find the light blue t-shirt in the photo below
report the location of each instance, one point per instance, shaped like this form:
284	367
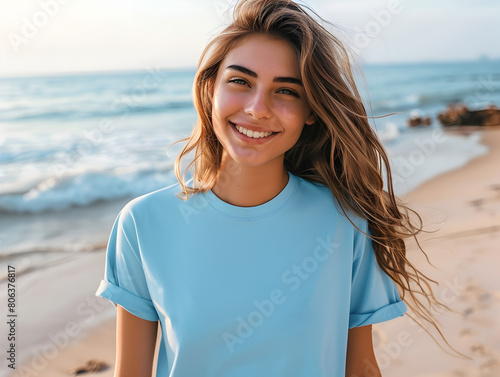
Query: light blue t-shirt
269	290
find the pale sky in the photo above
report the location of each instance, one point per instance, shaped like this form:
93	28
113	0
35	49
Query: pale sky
62	36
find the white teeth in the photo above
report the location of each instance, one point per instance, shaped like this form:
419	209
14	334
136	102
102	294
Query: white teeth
252	134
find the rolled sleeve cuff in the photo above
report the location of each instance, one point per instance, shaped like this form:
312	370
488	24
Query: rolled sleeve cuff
138	306
383	314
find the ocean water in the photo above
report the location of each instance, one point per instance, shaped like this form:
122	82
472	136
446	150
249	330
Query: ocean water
79	141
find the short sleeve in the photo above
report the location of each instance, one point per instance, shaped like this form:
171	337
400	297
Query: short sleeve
374	296
124	280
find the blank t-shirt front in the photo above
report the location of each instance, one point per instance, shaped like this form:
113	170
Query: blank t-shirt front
269	290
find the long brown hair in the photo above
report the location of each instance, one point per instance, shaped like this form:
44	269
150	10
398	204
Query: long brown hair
340	150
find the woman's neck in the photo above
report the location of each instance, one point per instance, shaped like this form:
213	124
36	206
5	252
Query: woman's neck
249	186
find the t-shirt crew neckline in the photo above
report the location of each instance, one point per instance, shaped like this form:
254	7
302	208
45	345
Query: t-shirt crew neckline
252	213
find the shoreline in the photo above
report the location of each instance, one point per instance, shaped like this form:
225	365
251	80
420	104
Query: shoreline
459	197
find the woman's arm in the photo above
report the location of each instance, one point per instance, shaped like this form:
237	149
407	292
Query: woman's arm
361	361
135	345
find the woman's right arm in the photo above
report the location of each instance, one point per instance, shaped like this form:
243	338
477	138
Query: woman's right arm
135	345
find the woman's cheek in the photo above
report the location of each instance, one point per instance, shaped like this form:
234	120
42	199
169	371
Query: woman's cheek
224	102
287	110
290	114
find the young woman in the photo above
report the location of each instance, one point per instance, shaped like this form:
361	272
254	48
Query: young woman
286	248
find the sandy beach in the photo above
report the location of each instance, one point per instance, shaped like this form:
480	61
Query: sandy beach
462	209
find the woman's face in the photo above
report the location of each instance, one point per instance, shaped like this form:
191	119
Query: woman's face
259	105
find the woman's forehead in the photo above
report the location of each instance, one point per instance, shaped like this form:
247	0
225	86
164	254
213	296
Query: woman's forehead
263	55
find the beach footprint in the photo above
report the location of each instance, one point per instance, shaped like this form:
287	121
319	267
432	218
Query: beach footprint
490	203
490	368
477	300
92	366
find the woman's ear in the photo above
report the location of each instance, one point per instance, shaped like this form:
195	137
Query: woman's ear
311	119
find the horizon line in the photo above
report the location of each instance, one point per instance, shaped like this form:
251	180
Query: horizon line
193	68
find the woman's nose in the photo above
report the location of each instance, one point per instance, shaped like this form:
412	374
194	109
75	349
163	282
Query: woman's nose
258	105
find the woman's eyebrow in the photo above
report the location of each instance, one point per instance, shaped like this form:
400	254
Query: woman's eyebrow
249	72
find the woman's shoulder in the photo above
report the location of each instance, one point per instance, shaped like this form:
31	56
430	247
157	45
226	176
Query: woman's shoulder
317	193
313	189
323	196
162	200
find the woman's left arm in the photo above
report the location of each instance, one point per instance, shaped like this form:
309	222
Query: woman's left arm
361	361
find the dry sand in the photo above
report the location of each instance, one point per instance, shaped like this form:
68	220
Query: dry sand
462	207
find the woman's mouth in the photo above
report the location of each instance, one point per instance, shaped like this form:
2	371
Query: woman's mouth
250	133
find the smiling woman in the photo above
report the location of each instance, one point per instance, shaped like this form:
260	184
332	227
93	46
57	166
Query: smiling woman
294	249
258	112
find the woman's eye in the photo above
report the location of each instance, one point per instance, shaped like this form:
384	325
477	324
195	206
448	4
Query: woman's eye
238	81
288	92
